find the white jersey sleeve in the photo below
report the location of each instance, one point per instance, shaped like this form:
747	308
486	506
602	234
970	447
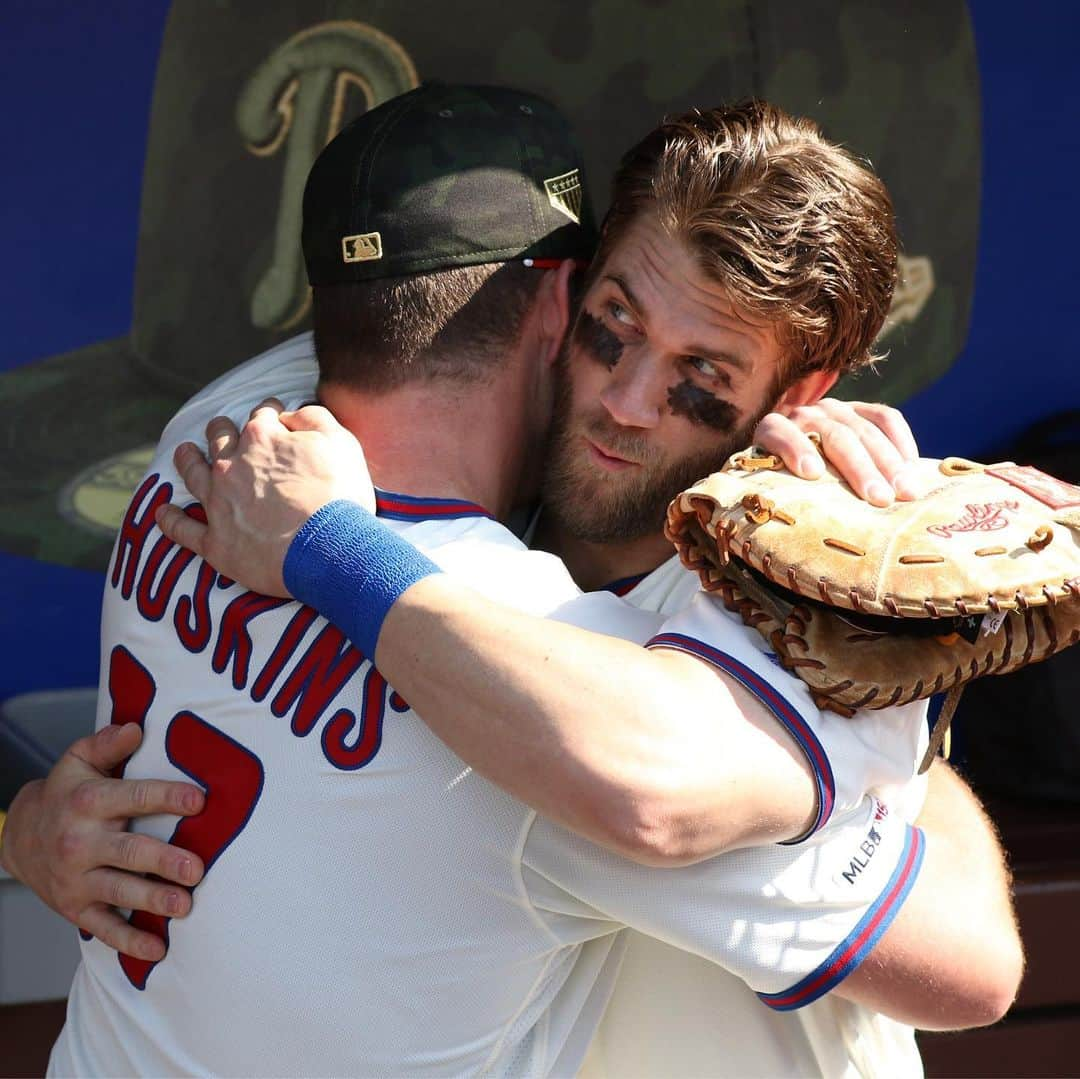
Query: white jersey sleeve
874	751
791	921
288	371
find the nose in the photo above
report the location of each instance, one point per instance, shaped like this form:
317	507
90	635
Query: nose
635	393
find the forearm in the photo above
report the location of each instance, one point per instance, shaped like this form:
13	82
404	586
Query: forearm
648	753
953	956
653	754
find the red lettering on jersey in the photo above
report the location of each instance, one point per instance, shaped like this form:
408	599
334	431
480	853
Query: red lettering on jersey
324	668
336	750
233	778
234	641
152	603
283	651
191	619
134	529
131	690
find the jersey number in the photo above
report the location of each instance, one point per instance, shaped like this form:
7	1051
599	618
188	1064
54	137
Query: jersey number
231	775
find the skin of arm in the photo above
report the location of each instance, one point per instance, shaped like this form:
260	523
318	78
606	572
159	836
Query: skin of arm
653	775
953	957
661	758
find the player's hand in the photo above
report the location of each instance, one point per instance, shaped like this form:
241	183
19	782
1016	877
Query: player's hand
261	485
869	445
66	839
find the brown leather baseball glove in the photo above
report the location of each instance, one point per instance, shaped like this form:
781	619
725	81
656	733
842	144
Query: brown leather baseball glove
873	607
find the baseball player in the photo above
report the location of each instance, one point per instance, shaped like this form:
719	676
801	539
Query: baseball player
266	650
704	630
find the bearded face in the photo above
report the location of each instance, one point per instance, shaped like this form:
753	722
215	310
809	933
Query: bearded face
601	504
660	380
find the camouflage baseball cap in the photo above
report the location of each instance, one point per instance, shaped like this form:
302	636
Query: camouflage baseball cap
446	176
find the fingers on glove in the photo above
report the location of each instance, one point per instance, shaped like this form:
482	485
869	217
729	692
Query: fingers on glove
889	441
779	435
864	457
870	445
892	424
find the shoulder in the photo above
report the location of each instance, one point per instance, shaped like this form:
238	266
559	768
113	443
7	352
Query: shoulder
493	561
669	588
288	371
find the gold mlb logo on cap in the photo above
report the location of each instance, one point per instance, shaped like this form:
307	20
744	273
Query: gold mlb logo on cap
361	248
564	193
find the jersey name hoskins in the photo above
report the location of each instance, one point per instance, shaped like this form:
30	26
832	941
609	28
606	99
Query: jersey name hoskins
301	683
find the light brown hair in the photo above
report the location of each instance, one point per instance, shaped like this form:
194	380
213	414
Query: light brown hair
799	231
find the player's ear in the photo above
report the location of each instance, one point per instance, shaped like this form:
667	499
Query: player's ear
553	300
807	390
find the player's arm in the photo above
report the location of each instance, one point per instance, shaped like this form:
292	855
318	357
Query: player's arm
656	755
953	957
861	909
65	838
612	741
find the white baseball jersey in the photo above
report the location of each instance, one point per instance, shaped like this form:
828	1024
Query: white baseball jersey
712	1024
371	906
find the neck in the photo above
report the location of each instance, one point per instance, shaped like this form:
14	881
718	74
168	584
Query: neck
593	565
437	439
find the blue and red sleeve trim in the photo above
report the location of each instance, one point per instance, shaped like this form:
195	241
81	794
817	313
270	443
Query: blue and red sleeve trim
780	707
397	507
859	943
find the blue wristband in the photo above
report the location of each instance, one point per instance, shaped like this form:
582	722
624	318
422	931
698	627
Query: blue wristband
352	569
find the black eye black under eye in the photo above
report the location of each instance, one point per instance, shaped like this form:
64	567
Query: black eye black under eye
597	340
702	406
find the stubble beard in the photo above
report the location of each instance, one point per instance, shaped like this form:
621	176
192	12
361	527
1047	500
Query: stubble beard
607	507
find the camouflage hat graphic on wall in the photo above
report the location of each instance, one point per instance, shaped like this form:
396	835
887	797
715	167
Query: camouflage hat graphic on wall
249	91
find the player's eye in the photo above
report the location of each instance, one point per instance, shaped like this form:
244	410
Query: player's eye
706	367
620	314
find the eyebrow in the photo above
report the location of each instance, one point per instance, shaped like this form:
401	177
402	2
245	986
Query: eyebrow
703	353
